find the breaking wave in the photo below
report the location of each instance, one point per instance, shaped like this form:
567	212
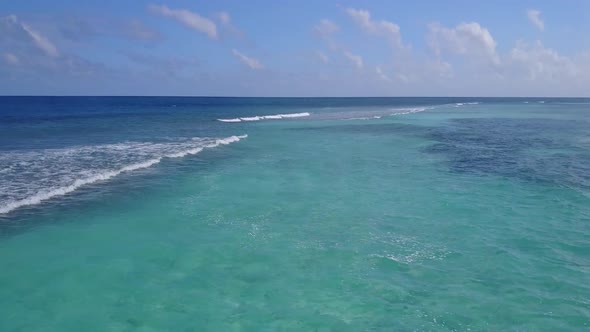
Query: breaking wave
463	104
267	117
30	178
410	110
371	114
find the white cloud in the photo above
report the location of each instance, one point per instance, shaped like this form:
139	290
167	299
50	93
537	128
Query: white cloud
403	78
382	75
188	18
41	42
10	59
582	61
440	68
227	28
24	32
465	39
323	58
535	18
541	63
248	61
224	18
326	28
362	18
356	60
385	28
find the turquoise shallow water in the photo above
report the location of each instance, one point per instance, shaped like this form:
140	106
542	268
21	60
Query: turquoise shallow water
366	215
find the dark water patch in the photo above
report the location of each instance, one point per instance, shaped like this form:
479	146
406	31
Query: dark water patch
530	149
539	150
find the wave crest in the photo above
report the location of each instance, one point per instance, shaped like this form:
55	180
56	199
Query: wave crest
56	184
469	103
267	117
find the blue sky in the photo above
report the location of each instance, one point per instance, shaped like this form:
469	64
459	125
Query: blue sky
295	48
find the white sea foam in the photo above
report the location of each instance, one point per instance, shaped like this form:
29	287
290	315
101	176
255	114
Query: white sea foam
406	250
469	103
273	117
363	118
267	117
409	110
184	153
253	118
353	119
373	114
41	175
226	141
47	194
294	115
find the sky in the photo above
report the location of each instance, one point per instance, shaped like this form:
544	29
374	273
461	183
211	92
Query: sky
295	48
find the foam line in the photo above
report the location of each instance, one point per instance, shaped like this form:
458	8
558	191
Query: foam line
102	176
267	117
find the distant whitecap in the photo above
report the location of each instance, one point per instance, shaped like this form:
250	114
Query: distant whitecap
267	117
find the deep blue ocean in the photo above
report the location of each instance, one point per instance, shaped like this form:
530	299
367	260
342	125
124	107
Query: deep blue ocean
294	214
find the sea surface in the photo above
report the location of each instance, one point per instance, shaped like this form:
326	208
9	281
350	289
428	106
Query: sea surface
294	214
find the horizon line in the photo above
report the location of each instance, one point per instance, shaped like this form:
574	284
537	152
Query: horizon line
300	97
